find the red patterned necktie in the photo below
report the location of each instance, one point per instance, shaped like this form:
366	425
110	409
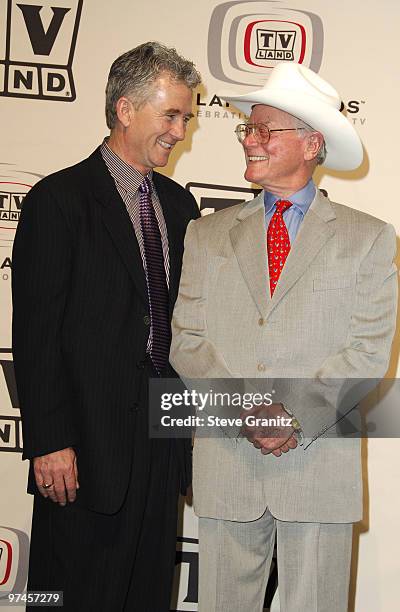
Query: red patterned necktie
278	243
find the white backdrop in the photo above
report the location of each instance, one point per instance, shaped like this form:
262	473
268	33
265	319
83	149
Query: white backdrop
52	100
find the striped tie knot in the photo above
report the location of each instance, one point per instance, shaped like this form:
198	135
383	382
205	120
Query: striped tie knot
145	186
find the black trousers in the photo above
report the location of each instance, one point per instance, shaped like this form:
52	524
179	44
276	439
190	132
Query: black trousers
113	563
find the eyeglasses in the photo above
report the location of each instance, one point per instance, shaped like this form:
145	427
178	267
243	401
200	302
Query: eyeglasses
260	131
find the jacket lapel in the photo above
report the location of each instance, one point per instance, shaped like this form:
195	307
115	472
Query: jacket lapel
249	245
248	239
118	223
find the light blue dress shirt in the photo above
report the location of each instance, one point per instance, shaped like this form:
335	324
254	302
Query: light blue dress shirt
293	216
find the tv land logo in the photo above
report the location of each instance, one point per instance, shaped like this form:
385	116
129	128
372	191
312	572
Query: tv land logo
212	198
10	418
247	39
37	47
14	185
12	194
14	554
272	44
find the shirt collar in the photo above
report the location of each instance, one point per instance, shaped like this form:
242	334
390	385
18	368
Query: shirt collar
125	175
301	199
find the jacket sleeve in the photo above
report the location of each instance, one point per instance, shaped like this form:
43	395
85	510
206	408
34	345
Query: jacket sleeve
193	355
42	266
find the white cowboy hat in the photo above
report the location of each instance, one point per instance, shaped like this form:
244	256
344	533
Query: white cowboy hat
301	92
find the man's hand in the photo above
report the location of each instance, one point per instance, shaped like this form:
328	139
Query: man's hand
276	438
60	471
287	446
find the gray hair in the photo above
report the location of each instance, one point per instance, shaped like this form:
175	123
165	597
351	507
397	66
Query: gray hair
321	155
135	72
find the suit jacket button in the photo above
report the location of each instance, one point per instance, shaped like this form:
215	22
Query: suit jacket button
141	365
134	407
146	320
261	367
261	321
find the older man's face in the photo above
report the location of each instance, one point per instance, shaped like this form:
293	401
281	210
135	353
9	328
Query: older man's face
278	166
159	124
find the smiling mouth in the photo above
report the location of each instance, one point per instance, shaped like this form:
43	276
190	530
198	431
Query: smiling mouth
254	158
165	145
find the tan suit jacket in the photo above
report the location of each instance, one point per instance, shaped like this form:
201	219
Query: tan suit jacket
332	318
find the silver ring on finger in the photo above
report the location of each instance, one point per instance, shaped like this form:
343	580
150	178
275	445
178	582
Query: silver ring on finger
47	486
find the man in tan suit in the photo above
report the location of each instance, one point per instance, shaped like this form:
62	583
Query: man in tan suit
299	290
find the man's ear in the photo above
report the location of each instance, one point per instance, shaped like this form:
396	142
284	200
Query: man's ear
314	142
124	110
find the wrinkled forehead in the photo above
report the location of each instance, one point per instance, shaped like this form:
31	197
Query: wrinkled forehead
261	113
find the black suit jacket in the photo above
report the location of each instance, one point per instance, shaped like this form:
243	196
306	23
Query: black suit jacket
81	322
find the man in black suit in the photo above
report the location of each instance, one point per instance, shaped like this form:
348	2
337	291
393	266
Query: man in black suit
96	267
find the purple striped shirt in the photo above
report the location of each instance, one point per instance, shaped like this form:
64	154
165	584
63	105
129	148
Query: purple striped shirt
127	181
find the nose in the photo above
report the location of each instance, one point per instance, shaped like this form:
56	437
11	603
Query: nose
250	140
178	129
